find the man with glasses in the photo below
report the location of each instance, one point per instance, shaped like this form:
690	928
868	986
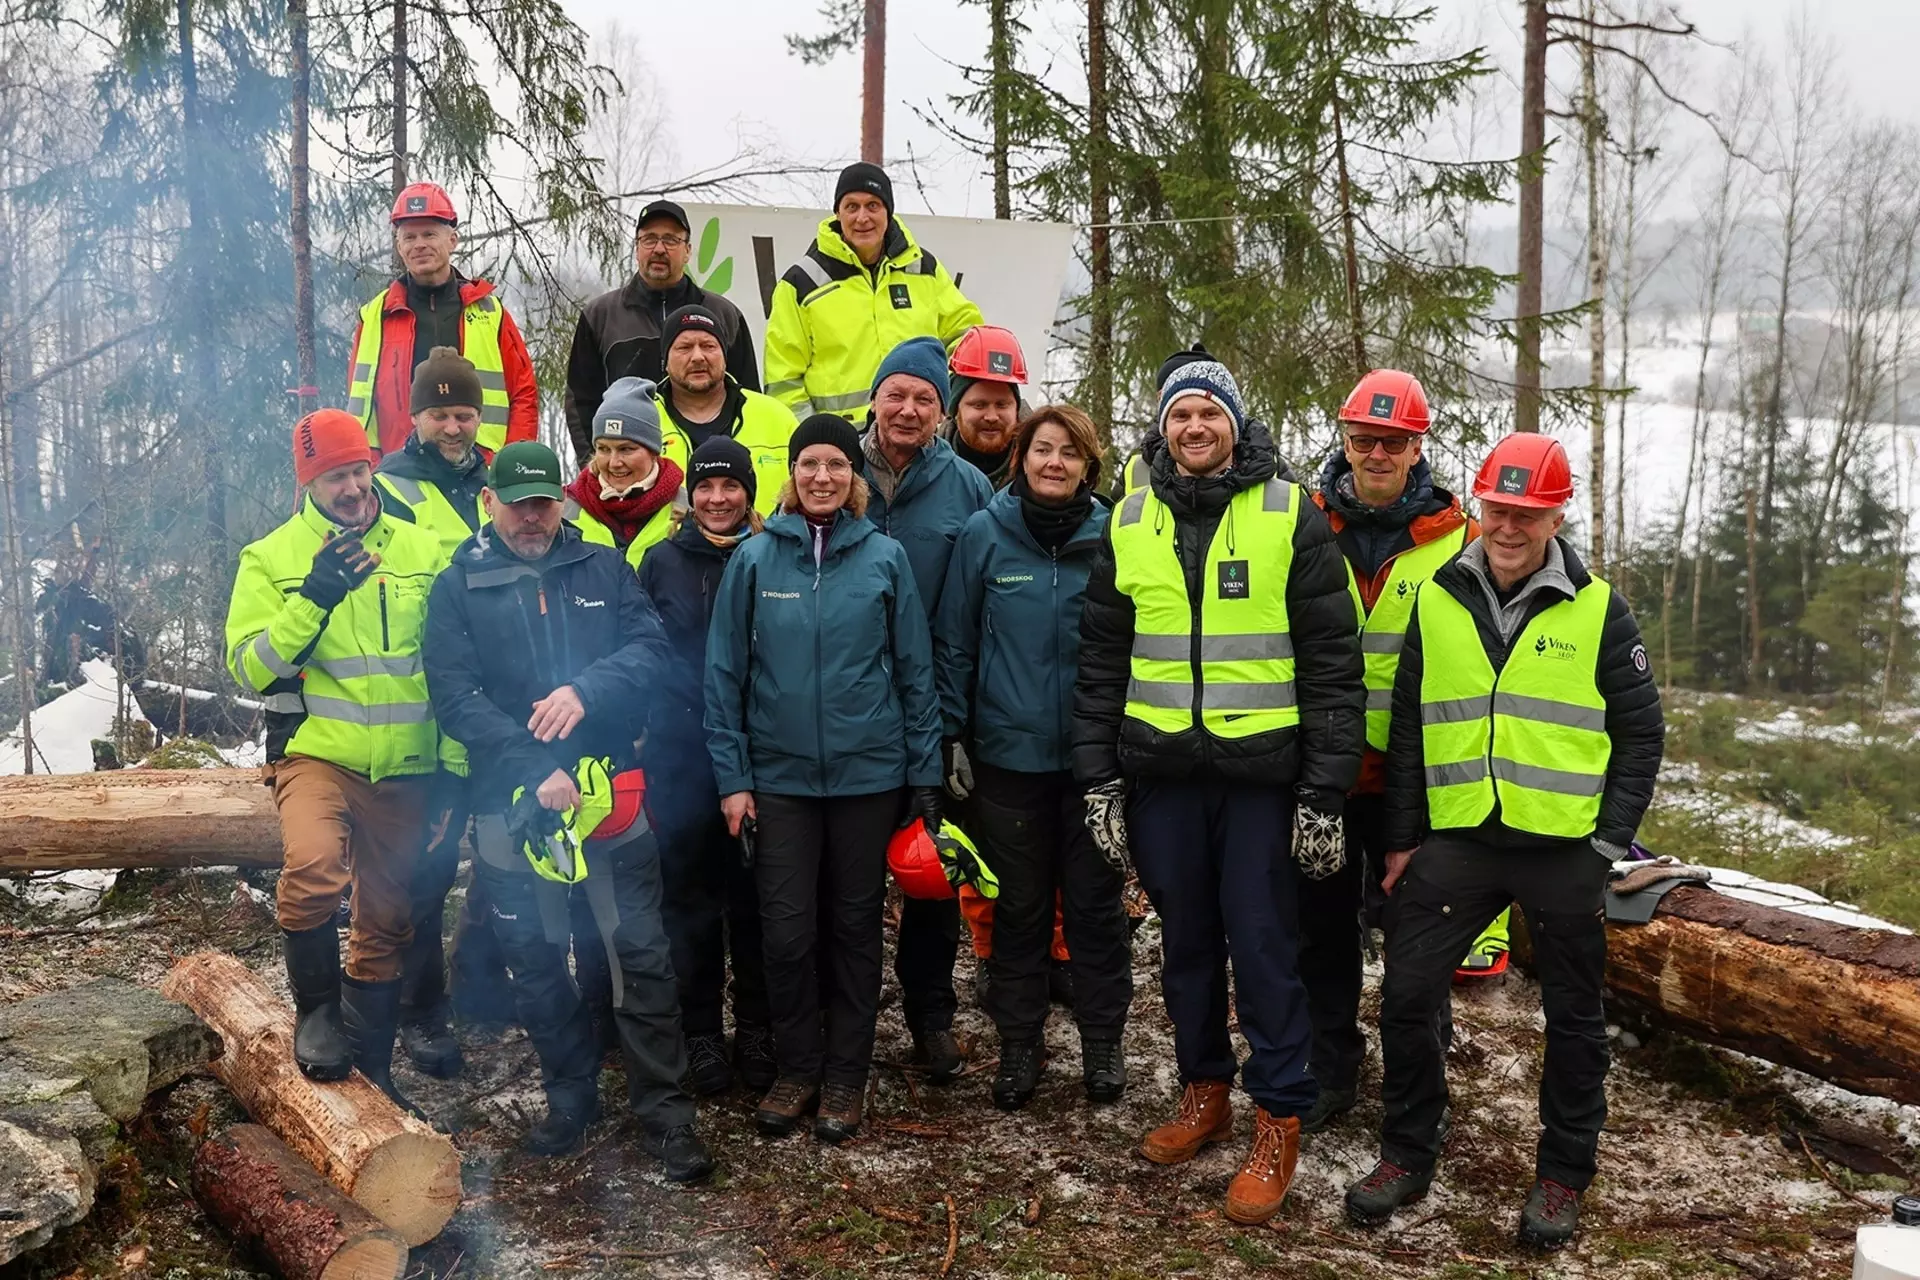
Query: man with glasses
1395	527
621	332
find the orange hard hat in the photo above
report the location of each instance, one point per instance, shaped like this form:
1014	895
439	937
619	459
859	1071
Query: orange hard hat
1388	398
1526	469
915	862
424	200
629	801
988	353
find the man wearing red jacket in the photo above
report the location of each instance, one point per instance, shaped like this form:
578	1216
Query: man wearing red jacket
1395	527
432	305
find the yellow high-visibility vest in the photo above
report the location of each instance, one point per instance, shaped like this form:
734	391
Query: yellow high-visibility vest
1385	633
657	529
766	426
479	343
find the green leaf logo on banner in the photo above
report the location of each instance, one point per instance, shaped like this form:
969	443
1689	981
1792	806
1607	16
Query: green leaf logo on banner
721	277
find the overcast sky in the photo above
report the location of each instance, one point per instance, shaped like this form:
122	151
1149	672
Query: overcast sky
723	72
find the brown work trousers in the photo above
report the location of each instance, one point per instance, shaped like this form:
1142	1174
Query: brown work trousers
336	827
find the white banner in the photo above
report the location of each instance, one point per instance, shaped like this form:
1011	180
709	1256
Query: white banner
1013	271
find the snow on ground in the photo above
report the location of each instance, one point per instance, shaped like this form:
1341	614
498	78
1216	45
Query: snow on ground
1746	823
64	729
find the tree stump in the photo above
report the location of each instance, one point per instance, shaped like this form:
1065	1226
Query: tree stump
271	1200
399	1169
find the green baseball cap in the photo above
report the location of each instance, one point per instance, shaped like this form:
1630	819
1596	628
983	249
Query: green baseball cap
525	469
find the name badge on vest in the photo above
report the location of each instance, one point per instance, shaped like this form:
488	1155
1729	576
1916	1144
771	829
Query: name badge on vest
902	300
1233	584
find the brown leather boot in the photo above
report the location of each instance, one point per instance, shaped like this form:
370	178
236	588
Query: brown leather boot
1260	1188
1206	1115
840	1108
785	1103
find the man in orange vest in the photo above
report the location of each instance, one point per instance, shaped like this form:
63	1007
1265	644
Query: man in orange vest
432	305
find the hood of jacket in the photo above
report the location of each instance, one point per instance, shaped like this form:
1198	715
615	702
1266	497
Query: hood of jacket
1005	513
418	460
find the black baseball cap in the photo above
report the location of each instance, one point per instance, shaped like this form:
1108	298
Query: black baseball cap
662	209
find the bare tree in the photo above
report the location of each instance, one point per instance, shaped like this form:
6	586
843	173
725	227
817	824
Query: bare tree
1532	233
1593	136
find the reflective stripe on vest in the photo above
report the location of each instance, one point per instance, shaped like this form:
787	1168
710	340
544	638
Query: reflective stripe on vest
1386	626
1236	676
657	529
1534	737
1135	474
766	425
479	342
432	510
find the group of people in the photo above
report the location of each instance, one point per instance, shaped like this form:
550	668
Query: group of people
690	703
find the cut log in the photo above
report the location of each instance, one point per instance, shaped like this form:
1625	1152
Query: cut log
138	818
399	1169
1837	1002
272	1201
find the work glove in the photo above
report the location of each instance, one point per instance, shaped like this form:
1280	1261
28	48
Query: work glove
957	768
1319	835
1107	821
923	802
529	820
340	565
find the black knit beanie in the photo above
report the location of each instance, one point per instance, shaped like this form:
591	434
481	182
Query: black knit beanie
870	178
827	428
722	456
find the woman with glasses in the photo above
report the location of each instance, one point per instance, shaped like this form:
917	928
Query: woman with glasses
820	714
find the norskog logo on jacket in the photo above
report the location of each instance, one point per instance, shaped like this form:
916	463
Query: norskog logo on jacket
779	595
1006	578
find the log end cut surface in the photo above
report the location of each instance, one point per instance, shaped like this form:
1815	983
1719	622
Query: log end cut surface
368	1260
412	1183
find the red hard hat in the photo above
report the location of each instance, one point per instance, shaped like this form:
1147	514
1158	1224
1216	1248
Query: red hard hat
424	200
1526	469
988	353
629	800
1388	398
915	862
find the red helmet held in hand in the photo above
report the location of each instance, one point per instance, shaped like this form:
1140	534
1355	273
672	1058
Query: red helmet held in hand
1388	398
988	353
1526	469
424	200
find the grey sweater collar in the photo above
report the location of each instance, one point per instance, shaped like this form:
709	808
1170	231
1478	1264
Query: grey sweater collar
1551	576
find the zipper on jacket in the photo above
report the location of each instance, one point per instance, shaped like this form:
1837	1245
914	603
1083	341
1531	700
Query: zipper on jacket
386	642
819	684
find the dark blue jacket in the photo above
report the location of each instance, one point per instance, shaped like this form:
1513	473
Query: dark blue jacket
820	678
1007	637
503	634
936	498
681	576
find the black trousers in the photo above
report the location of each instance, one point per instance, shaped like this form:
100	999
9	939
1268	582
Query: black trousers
1216	860
530	917
1333	921
479	972
1031	830
821	871
712	910
923	959
1452	890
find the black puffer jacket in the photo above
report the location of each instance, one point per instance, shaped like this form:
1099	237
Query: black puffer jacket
1323	754
1625	677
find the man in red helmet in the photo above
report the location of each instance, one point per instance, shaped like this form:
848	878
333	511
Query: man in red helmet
430	304
984	377
1396	527
1525	737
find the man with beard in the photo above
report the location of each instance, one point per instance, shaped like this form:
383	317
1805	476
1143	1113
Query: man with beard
985	374
701	401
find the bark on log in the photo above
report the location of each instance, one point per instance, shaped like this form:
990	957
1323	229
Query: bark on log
271	1200
1836	1002
138	818
399	1169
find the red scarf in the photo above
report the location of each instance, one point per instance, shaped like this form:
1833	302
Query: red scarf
627	516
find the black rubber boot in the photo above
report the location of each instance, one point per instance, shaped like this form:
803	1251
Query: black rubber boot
1103	1070
1021	1062
313	971
370	1015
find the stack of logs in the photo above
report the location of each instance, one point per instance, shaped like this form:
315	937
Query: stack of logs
339	1182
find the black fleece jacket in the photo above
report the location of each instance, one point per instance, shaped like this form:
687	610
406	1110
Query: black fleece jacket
1625	678
1322	756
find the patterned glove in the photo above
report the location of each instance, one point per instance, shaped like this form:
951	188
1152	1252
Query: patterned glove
1319	838
959	770
1107	820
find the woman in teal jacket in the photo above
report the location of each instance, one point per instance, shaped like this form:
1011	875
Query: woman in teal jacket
1007	650
824	729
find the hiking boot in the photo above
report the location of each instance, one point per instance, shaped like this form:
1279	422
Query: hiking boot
1206	1115
788	1100
1021	1062
320	1044
1551	1215
708	1070
1328	1107
940	1052
753	1056
562	1129
682	1156
1103	1070
1260	1188
1060	983
429	1043
839	1117
1372	1200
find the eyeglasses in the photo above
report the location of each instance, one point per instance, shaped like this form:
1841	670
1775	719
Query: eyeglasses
662	242
1364	445
837	468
